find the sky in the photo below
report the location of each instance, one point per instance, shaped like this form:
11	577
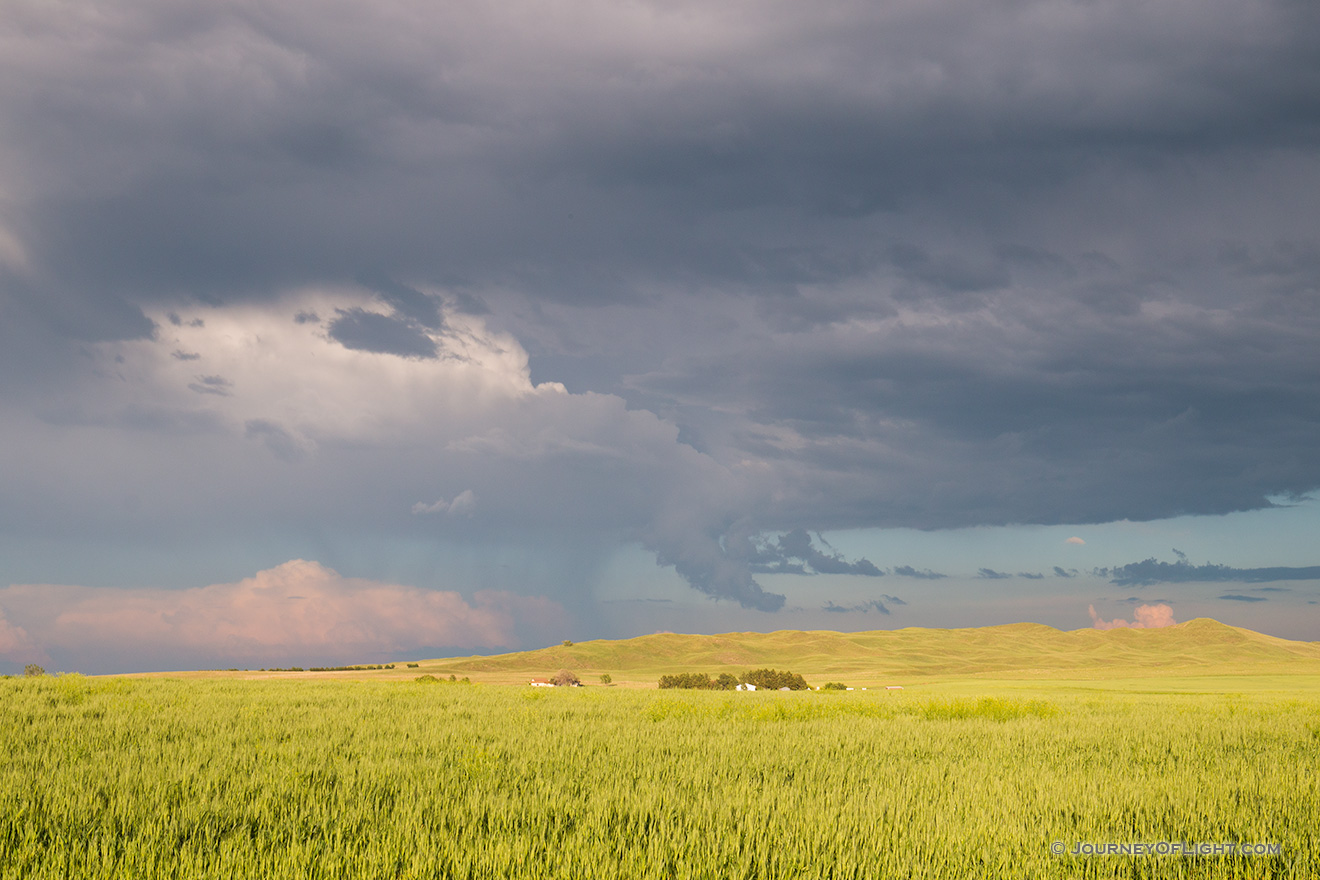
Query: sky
341	332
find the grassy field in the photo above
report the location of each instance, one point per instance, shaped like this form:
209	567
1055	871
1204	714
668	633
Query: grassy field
960	778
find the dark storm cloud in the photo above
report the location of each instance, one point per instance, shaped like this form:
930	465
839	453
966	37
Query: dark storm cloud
709	571
1235	598
777	558
923	265
368	331
407	302
1150	571
382	137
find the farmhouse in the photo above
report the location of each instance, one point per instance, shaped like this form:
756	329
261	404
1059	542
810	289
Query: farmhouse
542	683
746	687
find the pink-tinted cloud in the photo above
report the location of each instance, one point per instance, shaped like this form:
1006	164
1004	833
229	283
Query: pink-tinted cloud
1074	540
298	611
14	642
1144	617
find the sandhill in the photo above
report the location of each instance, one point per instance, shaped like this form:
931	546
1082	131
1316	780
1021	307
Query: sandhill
1197	647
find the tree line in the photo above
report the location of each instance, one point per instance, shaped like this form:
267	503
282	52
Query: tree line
767	679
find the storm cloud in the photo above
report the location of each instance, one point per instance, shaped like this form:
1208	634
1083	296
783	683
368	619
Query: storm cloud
707	279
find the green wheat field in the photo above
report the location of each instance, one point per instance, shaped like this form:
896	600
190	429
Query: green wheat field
976	772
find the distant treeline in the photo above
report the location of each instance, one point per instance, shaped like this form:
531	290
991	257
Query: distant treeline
767	679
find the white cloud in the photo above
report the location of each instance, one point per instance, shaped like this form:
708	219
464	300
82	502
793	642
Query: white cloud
275	371
1074	540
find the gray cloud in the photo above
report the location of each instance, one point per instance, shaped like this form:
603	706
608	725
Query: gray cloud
864	607
777	558
406	301
991	574
217	385
1236	598
368	331
909	571
1150	571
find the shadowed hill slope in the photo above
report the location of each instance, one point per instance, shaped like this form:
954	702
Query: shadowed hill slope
1200	646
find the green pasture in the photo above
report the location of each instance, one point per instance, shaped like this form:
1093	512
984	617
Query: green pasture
954	778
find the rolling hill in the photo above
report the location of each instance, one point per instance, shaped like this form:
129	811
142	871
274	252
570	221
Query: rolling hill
1022	650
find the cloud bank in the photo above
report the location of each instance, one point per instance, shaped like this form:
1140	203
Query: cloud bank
298	612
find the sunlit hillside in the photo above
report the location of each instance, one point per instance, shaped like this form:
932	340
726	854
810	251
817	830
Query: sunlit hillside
1197	647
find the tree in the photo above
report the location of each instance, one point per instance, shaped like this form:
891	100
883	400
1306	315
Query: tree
688	680
564	678
606	679
33	669
773	680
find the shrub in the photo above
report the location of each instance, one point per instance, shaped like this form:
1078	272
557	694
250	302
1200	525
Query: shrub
568	643
412	665
770	679
33	669
606	679
564	678
426	678
834	686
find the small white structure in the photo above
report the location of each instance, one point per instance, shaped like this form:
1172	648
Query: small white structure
542	683
745	687
893	687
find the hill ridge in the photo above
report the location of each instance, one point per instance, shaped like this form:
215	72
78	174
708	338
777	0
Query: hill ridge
1027	649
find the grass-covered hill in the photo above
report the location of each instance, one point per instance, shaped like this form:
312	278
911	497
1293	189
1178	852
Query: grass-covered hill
1030	650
